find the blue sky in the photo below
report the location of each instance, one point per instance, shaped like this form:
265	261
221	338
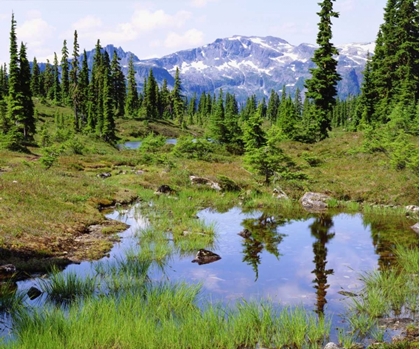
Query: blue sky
160	27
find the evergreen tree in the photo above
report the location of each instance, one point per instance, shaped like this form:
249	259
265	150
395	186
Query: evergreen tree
273	106
217	128
132	100
14	108
36	79
164	101
177	99
118	86
298	102
321	87
395	63
287	119
233	130
192	109
83	82
65	82
27	118
48	81
254	136
250	108
108	125
74	83
150	99
95	91
56	81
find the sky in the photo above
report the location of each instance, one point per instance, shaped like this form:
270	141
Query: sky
160	27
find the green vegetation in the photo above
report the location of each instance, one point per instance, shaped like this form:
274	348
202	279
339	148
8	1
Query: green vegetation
166	316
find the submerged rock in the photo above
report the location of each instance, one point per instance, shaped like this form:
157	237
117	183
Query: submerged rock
205	256
33	293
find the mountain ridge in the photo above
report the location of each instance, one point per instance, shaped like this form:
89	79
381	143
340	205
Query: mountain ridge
246	65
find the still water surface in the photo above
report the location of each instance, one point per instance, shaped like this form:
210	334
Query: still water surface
304	262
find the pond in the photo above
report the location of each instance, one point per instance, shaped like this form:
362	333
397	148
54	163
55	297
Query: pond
137	144
309	262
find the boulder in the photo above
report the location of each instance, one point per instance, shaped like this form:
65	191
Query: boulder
315	201
415	227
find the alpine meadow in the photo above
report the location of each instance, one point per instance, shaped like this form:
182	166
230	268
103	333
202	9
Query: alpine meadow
91	141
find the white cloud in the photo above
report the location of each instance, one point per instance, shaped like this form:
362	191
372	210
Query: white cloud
87	23
201	3
146	20
192	37
35	31
143	21
345	6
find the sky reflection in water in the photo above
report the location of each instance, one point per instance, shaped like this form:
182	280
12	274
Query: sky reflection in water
288	279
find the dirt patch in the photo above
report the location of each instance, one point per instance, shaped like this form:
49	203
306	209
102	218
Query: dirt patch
39	254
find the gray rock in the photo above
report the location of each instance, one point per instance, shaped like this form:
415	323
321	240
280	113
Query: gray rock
314	201
415	227
332	345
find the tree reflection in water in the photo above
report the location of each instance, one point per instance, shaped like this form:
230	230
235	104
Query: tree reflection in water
259	234
319	230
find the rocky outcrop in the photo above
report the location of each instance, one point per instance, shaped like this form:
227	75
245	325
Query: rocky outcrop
315	201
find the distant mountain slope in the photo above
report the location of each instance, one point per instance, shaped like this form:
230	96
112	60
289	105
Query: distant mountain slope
247	65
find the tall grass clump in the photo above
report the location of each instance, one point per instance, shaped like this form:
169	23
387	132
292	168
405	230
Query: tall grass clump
63	287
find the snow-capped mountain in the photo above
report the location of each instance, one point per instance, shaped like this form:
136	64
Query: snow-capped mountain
248	65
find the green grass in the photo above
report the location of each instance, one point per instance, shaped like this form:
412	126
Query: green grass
166	316
67	287
386	293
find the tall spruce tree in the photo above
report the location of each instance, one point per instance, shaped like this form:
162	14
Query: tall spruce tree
35	79
83	82
178	99
108	125
74	82
27	118
14	107
65	82
132	100
321	87
56	85
118	86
